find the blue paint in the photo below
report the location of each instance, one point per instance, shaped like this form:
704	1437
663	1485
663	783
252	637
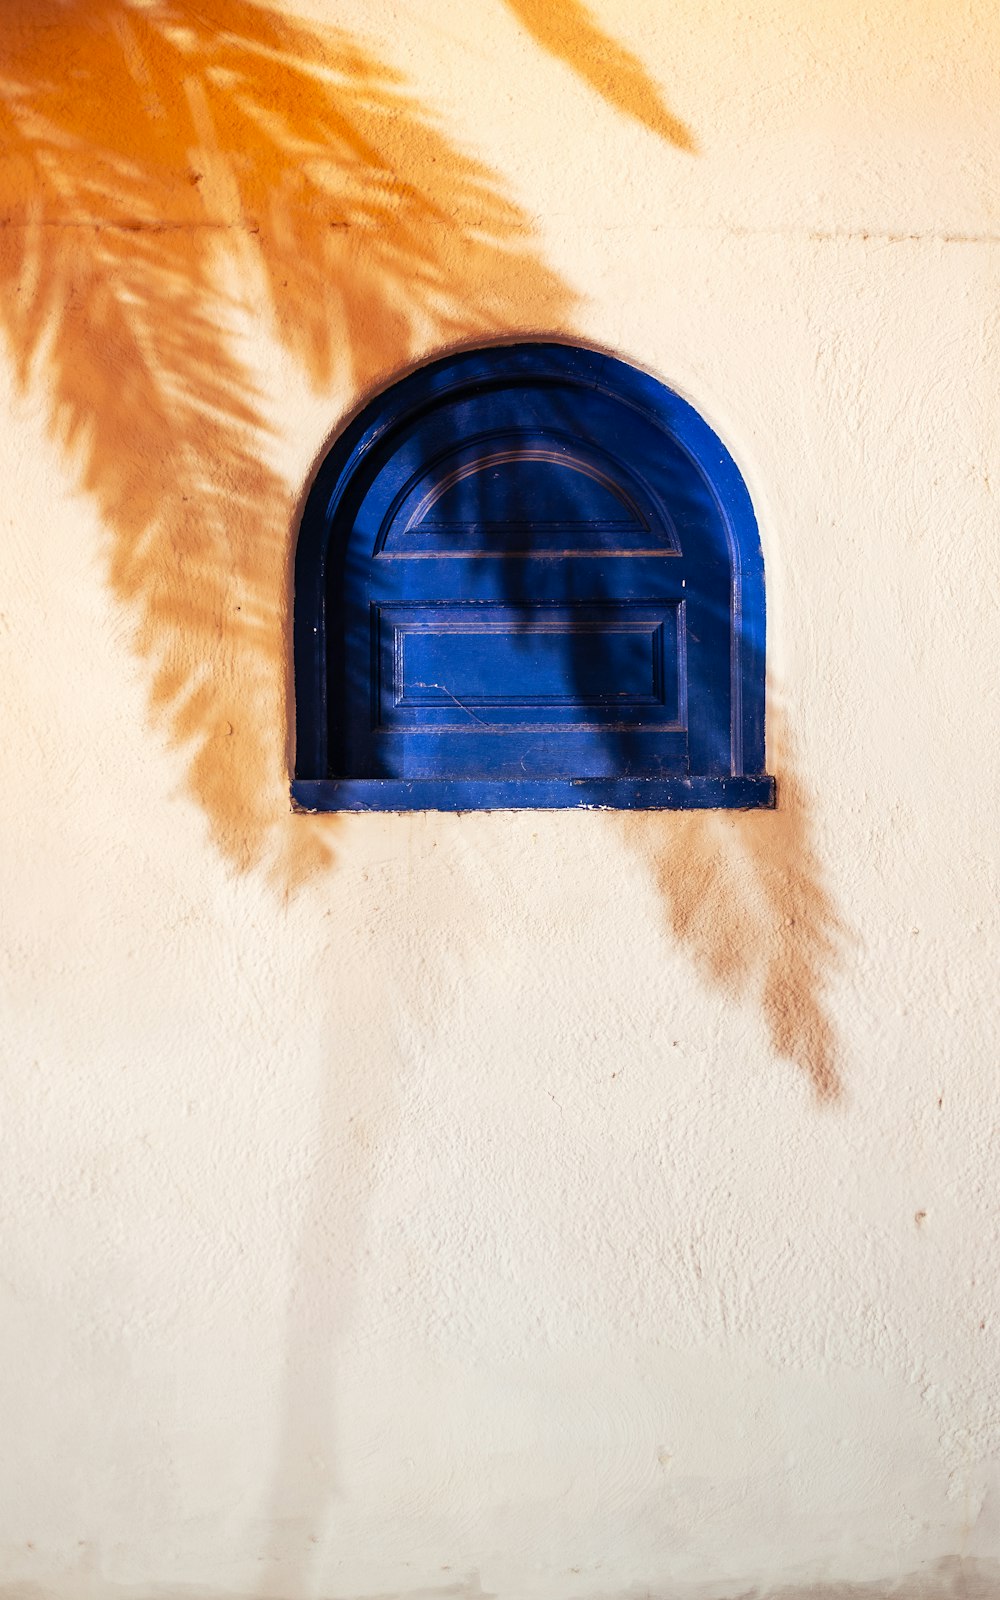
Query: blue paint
529	576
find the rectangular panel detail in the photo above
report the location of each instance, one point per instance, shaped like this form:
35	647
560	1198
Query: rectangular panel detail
477	665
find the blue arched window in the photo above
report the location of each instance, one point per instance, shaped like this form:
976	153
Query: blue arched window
529	576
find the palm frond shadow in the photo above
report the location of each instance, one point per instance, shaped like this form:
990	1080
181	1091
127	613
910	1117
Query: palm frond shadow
569	32
154	153
744	893
186	142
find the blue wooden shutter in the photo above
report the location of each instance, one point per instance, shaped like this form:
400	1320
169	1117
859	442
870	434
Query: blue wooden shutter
529	576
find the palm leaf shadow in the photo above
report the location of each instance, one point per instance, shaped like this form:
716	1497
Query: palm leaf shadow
186	141
153	153
568	31
744	893
187	147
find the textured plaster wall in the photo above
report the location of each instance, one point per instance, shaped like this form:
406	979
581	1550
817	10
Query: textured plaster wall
569	1206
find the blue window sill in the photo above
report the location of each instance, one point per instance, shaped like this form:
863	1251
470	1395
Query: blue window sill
532	794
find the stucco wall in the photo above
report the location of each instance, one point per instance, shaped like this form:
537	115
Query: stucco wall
558	1205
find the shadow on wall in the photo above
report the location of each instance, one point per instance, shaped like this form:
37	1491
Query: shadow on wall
172	170
743	893
566	29
155	154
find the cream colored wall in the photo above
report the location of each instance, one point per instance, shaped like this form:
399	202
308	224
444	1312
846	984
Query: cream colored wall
557	1205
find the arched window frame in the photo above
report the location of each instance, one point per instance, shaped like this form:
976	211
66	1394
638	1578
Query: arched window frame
316	788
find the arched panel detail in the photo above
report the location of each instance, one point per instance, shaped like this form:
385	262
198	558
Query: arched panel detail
529	576
525	492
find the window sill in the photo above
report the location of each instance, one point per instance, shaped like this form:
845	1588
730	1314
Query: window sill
532	794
